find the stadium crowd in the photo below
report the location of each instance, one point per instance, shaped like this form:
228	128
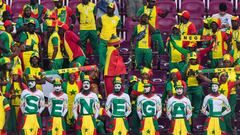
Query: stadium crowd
58	79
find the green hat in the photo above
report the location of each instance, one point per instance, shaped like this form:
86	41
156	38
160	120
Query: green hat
117	80
133	78
4	60
35	54
86	78
178	84
215	81
57	81
193	55
31	78
146	83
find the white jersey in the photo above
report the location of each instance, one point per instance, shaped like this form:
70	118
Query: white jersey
32	102
119	105
86	105
57	105
179	108
149	106
213	105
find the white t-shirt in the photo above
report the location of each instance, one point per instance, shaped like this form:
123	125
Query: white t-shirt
226	19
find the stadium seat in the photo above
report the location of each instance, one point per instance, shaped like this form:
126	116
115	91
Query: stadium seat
48	4
17	6
196	7
168	5
73	5
166	24
214	6
129	24
198	21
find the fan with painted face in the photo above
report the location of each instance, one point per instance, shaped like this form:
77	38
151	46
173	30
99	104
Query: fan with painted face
117	83
147	86
179	88
86	83
57	85
215	85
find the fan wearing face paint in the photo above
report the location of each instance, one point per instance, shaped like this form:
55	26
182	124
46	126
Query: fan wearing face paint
179	111
227	87
149	109
118	108
32	105
86	109
57	107
215	106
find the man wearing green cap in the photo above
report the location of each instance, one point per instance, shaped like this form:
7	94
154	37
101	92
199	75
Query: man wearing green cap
24	18
6	66
85	14
107	25
32	104
205	31
57	107
118	107
215	106
149	109
153	13
35	69
29	41
179	111
194	89
86	109
177	59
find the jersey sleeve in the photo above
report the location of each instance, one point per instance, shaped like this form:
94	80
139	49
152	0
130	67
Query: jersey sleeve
75	106
65	105
129	110
169	108
226	105
96	105
139	107
42	102
188	108
159	106
50	103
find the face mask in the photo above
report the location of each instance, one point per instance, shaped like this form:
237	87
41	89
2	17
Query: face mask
58	88
31	84
117	87
147	89
179	91
215	87
86	85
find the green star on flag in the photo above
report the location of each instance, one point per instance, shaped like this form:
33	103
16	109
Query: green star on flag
73	92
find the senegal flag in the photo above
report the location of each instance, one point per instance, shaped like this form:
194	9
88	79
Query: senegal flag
114	63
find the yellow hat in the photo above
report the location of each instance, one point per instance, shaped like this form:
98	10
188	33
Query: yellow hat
57	81
31	21
215	81
146	70
228	57
111	5
117	80
217	21
26	6
86	78
146	83
4	60
178	84
133	79
35	54
175	70
193	55
31	78
235	18
176	26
